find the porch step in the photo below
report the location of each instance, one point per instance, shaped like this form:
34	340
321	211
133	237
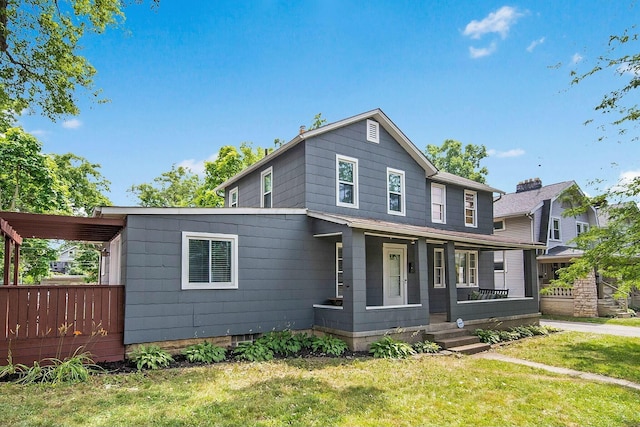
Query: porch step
442	334
457	342
471	348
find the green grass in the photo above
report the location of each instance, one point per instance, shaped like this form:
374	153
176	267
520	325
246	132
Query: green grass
431	390
631	321
614	356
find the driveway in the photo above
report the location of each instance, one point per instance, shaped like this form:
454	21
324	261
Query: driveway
598	328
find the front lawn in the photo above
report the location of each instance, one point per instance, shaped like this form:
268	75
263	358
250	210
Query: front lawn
426	390
609	355
630	321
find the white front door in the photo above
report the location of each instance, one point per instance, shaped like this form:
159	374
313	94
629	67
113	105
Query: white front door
394	270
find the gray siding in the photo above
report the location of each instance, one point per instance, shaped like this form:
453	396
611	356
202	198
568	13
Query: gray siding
283	271
455	210
373	160
288	182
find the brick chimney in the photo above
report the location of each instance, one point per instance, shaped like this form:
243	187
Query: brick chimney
528	185
303	129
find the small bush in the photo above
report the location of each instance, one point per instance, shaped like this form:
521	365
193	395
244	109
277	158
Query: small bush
73	369
426	347
487	336
493	337
283	343
253	352
151	357
389	348
204	352
306	341
330	345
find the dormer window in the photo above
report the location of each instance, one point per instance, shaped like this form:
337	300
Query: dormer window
266	184
373	131
233	198
554	230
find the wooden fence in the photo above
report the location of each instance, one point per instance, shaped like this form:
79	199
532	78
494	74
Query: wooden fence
54	321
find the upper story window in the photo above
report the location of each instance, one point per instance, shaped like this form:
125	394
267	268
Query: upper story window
346	181
466	268
438	268
209	261
499	225
581	227
266	185
339	280
554	229
373	131
438	203
395	192
233	198
470	209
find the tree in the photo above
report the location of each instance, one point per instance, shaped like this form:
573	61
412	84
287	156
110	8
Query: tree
450	157
177	188
40	64
81	183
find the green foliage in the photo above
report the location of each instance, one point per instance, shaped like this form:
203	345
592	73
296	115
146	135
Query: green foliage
426	347
330	345
283	343
253	352
86	261
490	336
487	336
318	121
204	352
390	348
176	188
150	357
451	158
306	341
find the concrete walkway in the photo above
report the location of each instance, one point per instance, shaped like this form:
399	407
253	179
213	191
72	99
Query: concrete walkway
555	369
598	328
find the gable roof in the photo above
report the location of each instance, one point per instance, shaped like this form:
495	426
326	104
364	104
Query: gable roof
379	116
526	202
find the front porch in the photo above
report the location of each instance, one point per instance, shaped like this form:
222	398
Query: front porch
407	284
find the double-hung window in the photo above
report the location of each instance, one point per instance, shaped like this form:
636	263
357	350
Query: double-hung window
438	268
395	192
339	280
209	261
554	229
347	181
466	269
438	203
581	227
233	198
470	209
266	186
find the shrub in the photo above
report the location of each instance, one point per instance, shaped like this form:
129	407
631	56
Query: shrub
390	348
330	345
487	336
204	352
76	368
426	347
306	341
151	357
253	352
283	343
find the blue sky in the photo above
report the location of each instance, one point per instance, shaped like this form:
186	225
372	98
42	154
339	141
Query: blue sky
192	76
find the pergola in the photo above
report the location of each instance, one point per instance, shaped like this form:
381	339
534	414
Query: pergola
16	226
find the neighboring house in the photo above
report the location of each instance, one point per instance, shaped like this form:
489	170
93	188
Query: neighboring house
63	263
536	212
346	229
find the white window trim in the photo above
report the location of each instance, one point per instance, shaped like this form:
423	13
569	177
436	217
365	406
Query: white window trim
356	198
233	192
551	229
468	272
338	271
444	279
375	135
584	225
233	238
402	211
504	262
475	208
444	203
264	173
501	221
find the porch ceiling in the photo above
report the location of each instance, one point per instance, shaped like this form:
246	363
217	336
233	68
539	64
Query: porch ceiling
489	241
41	226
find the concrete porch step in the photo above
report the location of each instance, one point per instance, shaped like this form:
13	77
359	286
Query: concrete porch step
471	348
445	333
456	342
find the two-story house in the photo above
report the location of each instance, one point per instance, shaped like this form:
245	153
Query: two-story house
537	212
346	229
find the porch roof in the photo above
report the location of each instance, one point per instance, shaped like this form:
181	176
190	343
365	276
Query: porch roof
29	225
488	241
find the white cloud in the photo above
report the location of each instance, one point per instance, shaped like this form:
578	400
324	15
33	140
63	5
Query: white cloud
483	51
71	124
197	166
38	132
499	22
516	152
627	68
628	176
534	44
576	58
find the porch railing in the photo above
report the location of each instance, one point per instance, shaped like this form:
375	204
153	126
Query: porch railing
556	292
54	321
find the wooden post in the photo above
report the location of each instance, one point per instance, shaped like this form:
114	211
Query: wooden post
16	263
7	260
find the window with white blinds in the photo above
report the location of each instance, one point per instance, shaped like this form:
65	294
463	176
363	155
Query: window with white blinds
209	261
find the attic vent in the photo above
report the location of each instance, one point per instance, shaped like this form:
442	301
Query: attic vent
373	131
